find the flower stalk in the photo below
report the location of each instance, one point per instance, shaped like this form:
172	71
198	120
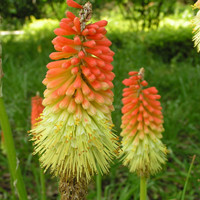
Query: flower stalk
143	188
71	189
99	184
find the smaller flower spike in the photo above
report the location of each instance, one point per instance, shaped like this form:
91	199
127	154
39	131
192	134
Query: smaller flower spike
142	125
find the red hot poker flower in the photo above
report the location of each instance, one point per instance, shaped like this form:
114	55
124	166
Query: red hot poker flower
142	125
74	135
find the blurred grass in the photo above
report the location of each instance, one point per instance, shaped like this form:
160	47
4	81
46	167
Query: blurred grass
176	75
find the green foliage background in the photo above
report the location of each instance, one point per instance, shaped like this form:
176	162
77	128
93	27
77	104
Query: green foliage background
150	10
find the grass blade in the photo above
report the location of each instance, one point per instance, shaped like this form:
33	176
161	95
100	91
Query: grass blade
187	179
11	153
16	177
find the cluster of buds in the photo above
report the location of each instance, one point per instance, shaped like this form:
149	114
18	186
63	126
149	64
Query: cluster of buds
142	125
75	132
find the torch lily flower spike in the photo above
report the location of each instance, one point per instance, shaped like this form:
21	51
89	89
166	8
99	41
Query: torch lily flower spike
75	131
142	125
196	25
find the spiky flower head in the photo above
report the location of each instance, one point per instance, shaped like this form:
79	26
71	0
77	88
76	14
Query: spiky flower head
74	134
142	125
196	25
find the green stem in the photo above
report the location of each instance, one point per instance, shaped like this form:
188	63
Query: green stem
42	181
143	188
99	183
11	153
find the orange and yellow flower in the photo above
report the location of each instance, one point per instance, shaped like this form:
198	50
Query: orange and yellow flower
142	125
75	131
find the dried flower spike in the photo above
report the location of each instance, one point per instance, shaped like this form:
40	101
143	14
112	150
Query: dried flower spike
75	131
142	125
